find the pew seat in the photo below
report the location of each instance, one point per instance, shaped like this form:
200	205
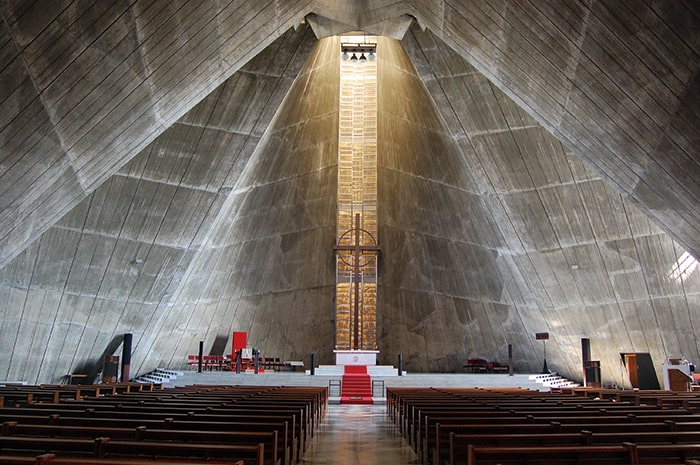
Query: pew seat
51	459
552	455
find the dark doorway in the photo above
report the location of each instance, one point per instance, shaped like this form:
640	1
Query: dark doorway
640	370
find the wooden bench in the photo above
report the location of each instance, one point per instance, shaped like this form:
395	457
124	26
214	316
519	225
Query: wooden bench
274	453
420	413
18	397
643	397
304	420
128	461
413	416
52	459
102	446
286	444
555	455
421	434
29	395
462	432
250	454
458	444
658	454
140	413
39	445
26	459
212	415
428	439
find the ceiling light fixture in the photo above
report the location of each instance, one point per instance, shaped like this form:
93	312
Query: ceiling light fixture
358	52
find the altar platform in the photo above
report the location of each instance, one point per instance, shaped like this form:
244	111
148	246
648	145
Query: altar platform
482	380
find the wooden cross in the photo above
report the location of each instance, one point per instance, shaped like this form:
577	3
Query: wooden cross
357	251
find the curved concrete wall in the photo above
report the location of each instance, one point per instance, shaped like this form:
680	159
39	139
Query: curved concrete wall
143	188
442	297
577	259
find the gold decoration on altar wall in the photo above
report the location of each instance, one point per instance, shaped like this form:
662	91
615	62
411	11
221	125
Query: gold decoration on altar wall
356	263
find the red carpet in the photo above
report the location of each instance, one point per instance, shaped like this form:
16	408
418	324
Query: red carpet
357	386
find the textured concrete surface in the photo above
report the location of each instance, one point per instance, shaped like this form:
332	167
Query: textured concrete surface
166	169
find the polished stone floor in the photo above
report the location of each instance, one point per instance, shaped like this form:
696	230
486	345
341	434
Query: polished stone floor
358	434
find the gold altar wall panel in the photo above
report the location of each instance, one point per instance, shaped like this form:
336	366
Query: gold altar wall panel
357	195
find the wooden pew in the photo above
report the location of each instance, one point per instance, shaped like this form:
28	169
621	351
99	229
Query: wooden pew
560	455
644	397
26	459
101	447
51	459
462	432
303	421
657	454
39	445
286	448
13	428
135	461
458	444
298	417
296	432
29	394
250	454
124	413
274	453
15	396
419	412
498	406
427	438
420	432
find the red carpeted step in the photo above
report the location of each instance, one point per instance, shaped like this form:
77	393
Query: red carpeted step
355	369
357	400
357	385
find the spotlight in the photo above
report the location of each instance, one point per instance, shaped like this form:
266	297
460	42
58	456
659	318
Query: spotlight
358	52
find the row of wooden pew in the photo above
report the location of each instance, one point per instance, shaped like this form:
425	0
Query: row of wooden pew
242	425
17	394
661	398
519	426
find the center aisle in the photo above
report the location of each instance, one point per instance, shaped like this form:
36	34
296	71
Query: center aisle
358	434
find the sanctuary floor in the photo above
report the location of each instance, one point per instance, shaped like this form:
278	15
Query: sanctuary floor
358	434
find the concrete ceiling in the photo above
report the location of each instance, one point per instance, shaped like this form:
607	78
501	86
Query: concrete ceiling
167	169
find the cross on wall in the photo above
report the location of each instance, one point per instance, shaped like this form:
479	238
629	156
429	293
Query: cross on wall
358	251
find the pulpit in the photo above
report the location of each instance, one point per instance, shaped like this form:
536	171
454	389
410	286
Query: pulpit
677	376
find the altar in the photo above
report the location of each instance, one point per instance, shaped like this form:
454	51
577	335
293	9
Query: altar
356	357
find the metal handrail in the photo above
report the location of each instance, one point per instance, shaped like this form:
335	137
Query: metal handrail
335	383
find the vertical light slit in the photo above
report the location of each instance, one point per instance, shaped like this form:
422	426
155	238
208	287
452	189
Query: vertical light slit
357	194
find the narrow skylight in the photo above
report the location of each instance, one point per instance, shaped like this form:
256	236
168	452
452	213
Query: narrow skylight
683	267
